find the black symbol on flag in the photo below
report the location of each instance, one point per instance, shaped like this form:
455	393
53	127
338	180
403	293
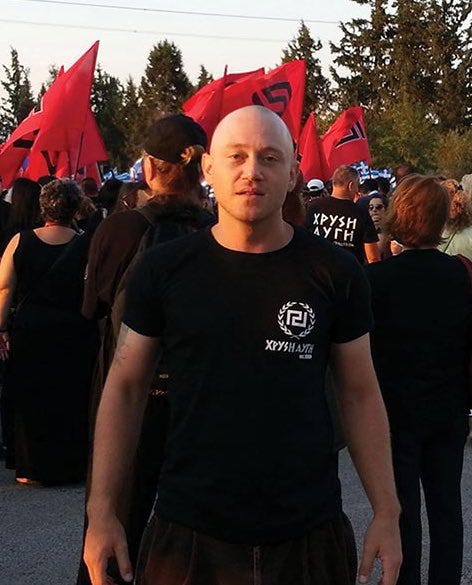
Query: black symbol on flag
50	164
276	97
25	142
356	133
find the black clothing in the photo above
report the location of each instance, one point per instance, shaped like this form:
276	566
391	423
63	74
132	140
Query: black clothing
342	222
5	209
421	345
421	342
115	244
176	554
52	353
250	456
435	457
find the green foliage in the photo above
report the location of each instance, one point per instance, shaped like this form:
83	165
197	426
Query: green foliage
204	77
317	86
53	71
130	115
165	84
19	98
409	65
453	153
402	133
106	102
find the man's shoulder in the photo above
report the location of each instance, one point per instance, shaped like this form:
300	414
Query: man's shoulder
174	251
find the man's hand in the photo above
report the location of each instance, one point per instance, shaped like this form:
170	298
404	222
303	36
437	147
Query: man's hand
382	541
105	539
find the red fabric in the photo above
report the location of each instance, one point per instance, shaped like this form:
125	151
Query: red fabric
313	164
205	106
63	120
281	90
15	150
346	142
66	163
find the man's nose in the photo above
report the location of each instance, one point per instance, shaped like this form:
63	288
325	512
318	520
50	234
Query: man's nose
252	168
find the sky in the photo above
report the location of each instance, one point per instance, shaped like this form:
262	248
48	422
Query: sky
35	28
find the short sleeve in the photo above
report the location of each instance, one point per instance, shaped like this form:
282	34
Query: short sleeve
370	234
143	307
353	311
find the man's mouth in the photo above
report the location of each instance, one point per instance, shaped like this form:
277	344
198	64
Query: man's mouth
250	192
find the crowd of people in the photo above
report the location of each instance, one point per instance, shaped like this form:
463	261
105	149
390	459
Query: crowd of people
218	341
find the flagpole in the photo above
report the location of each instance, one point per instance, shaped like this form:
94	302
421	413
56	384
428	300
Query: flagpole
78	153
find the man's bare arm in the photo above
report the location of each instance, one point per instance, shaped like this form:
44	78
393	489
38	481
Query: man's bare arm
116	436
366	428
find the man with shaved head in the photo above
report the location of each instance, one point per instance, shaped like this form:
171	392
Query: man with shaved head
249	313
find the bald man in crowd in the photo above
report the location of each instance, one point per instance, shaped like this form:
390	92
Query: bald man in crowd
249	313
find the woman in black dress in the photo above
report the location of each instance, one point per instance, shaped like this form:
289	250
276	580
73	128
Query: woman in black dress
422	302
51	347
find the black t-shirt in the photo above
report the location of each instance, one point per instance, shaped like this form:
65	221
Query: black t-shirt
422	303
250	454
342	222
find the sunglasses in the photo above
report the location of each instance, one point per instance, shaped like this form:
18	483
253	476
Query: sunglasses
378	207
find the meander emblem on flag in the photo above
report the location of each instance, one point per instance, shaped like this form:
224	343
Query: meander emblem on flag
296	319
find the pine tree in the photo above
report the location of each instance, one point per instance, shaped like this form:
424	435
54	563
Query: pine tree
451	61
204	77
165	84
365	51
53	71
130	122
409	64
317	86
19	99
106	101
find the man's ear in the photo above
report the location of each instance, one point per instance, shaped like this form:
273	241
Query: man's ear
293	174
207	166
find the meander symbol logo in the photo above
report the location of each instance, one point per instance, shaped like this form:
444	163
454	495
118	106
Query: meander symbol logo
296	319
276	97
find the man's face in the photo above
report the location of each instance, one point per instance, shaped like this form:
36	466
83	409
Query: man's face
251	165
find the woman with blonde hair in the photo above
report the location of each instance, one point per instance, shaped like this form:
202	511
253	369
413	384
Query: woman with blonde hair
421	345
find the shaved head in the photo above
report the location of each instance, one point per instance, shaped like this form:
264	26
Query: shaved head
255	117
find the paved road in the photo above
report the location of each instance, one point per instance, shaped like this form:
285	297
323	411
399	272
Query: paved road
40	528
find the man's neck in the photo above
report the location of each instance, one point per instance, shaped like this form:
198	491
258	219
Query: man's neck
255	238
341	195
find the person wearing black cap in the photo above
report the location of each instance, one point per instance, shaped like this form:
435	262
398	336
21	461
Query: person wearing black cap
248	313
172	151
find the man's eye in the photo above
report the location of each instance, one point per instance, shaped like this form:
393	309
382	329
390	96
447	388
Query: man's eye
236	156
270	158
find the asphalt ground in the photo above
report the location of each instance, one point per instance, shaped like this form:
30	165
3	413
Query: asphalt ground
41	528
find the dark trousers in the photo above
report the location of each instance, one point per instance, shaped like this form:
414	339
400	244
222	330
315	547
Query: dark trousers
176	555
433	457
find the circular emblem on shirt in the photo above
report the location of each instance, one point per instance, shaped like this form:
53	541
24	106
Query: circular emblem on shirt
296	319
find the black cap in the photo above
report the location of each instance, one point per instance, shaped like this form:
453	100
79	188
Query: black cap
169	136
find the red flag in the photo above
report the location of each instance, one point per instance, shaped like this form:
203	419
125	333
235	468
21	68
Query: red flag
281	90
87	151
346	142
313	163
206	104
15	150
63	121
